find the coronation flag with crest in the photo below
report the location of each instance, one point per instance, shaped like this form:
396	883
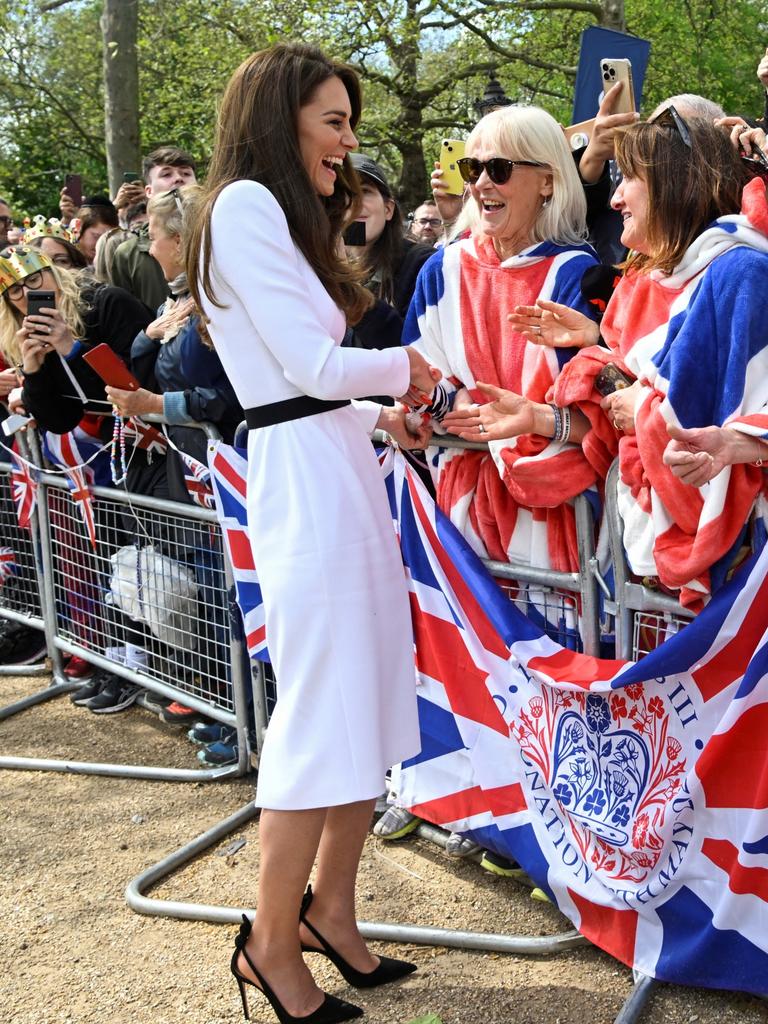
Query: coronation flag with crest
635	795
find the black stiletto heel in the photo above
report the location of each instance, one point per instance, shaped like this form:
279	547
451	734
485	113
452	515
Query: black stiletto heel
330	1011
388	969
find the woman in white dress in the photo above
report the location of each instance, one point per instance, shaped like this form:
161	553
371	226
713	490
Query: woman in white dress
267	272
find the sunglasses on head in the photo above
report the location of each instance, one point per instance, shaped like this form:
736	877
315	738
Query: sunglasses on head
669	118
498	169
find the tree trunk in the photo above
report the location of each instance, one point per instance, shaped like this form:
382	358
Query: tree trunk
119	28
613	15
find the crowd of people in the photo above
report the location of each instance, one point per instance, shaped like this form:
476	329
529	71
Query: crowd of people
570	308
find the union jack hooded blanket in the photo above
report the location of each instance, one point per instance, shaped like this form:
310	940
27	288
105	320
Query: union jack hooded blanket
697	341
511	504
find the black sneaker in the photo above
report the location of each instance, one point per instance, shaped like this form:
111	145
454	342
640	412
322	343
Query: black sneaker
22	645
116	695
88	690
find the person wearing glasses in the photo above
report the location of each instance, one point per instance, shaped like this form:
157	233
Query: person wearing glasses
686	328
520	238
425	224
266	269
526	223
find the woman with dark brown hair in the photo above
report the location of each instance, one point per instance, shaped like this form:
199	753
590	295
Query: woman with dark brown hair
266	269
685	328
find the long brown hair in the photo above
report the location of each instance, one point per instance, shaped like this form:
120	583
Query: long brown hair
257	139
688	187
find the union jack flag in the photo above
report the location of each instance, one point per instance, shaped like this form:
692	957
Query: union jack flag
143	435
23	488
7	564
635	795
72	451
228	474
197	479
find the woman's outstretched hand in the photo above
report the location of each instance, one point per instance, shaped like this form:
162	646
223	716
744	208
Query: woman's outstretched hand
505	415
555	325
423	379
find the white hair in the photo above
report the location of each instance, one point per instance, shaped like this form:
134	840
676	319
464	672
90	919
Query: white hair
689	104
530	133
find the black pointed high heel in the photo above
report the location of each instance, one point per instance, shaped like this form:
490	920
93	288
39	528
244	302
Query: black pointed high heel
330	1011
388	969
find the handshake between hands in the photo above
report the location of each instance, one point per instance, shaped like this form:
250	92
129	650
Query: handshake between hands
411	430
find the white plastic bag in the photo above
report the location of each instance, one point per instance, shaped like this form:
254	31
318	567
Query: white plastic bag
157	591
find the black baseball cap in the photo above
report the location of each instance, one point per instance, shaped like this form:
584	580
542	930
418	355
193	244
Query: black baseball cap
368	168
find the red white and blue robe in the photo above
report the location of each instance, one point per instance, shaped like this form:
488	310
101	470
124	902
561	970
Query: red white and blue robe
697	340
513	502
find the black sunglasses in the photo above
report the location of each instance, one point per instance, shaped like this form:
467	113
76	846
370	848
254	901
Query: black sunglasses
498	169
669	118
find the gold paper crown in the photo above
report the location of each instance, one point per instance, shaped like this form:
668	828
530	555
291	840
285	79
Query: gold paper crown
42	228
19	262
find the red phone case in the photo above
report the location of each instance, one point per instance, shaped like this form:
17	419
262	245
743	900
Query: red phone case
111	368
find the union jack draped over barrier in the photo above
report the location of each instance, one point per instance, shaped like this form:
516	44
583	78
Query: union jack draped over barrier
635	795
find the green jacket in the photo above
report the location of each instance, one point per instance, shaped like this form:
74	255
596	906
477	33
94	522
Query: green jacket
139	273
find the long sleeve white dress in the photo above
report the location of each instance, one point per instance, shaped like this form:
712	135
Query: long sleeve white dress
337	615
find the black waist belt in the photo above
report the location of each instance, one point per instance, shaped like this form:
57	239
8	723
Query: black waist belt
290	409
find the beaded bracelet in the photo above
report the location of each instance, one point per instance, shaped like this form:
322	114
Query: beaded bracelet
118	443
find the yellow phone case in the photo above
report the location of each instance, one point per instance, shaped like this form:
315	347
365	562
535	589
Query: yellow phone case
451	151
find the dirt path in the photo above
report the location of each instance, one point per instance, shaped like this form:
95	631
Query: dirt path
71	951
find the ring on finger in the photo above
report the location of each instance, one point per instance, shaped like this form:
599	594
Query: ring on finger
616	425
481	428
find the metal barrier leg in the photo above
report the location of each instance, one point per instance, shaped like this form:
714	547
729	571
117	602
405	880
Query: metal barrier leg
636	1000
522	945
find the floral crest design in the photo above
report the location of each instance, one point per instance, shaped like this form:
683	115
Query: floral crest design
613	769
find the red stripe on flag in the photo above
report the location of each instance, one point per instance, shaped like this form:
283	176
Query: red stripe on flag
572	667
230	474
742	880
258	636
455	806
441	654
610	929
731	662
479	621
733	767
240	550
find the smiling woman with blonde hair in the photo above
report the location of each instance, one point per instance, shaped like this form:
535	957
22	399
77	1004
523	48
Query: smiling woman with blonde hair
526	215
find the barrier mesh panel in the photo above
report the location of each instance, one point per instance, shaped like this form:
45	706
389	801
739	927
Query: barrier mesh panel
554	610
151	594
651	629
19	591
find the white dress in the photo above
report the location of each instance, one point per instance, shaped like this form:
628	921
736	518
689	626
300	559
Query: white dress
337	616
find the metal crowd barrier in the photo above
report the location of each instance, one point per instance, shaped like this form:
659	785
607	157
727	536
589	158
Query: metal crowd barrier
20	596
173	558
643	617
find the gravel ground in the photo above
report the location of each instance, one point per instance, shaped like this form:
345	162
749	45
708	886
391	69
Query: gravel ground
71	951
